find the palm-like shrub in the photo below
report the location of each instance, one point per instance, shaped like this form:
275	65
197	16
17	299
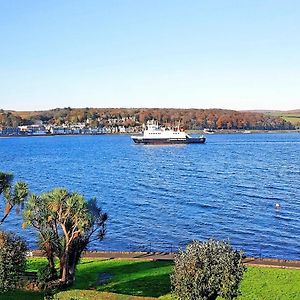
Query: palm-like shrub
13	195
66	223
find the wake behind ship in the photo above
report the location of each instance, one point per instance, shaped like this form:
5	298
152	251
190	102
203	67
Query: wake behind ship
155	134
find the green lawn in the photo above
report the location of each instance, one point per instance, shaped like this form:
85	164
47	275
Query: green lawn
95	295
294	118
270	283
151	279
131	277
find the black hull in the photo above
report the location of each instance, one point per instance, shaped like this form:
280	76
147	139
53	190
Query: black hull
169	141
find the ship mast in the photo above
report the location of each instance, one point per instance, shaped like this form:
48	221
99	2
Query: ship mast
178	127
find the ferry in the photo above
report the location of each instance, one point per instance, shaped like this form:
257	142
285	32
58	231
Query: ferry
156	134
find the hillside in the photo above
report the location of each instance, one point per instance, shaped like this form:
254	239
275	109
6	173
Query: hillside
134	117
292	116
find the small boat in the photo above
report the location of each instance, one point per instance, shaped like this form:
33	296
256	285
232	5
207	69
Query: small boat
208	131
156	134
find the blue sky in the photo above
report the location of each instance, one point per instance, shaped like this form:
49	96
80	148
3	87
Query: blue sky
242	54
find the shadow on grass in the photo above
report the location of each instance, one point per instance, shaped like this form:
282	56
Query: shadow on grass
21	295
141	278
135	267
149	286
130	277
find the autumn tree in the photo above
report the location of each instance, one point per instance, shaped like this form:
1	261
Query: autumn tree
206	270
66	223
191	118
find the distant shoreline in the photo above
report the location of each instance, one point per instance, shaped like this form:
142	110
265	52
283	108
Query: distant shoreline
242	131
62	135
216	131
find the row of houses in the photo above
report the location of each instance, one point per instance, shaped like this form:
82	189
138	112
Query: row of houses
76	129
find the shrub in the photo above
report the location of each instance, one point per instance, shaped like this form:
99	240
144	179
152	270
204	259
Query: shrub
207	270
12	260
45	274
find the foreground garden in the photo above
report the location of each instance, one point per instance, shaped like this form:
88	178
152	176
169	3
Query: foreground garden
121	279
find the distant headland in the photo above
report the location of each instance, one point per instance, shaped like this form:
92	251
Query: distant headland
62	121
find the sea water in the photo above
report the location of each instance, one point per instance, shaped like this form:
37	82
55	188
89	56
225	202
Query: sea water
161	197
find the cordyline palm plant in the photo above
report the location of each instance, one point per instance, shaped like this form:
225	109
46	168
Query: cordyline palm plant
14	195
66	223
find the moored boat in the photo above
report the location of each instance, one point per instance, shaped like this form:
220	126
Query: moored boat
208	131
156	134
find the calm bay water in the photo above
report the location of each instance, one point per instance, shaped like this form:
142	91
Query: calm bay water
168	195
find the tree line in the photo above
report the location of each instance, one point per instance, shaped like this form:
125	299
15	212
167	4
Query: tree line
191	119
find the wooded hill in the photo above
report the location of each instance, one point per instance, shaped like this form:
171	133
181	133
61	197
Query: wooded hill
132	117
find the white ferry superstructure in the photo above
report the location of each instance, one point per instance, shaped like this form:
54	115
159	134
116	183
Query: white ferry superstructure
156	134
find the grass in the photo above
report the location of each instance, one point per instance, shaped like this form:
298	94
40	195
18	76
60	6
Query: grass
292	117
130	277
36	263
151	279
294	120
270	283
95	295
21	295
